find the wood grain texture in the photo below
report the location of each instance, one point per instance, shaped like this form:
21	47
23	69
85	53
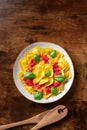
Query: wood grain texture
62	22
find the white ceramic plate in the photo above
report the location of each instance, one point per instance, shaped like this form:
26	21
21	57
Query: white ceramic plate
19	85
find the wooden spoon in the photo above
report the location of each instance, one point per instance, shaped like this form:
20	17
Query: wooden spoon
52	116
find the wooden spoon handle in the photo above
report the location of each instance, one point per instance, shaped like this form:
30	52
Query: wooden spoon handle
3	127
31	120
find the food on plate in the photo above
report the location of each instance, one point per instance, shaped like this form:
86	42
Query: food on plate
44	72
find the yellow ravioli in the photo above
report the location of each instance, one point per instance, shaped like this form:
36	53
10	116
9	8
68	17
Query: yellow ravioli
46	51
60	88
68	74
49	82
47	95
29	89
43	81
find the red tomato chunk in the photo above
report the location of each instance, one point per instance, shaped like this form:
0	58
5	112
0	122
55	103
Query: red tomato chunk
45	59
56	68
56	84
30	69
32	62
48	90
29	82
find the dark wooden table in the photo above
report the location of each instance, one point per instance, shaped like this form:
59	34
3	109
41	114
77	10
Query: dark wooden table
63	22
